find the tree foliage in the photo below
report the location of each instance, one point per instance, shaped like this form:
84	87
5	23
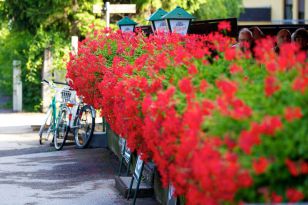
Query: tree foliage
202	9
66	16
31	26
152	5
213	9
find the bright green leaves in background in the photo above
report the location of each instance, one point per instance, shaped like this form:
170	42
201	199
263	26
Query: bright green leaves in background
202	9
219	9
29	27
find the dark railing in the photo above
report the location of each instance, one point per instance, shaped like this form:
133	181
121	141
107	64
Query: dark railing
208	26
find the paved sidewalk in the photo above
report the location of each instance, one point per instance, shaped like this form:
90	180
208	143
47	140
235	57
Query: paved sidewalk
15	119
33	174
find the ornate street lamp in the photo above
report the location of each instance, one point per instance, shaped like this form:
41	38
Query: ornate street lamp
178	20
126	24
158	24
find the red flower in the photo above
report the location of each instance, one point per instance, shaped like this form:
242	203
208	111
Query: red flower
260	165
304	167
241	110
228	87
275	198
300	84
203	85
270	86
271	67
192	69
288	56
245	179
247	140
207	107
185	86
230	54
294	195
270	125
292	113
229	142
292	167
235	69
224	25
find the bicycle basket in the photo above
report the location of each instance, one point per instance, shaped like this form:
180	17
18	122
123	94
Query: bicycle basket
68	96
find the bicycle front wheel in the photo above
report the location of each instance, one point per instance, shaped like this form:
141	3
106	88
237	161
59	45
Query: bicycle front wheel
84	126
62	128
46	127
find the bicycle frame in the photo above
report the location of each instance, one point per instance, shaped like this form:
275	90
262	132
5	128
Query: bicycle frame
74	111
53	107
54	111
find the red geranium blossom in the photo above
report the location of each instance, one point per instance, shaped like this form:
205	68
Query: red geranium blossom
270	125
186	86
293	169
271	85
275	198
294	195
234	68
230	54
228	87
260	165
224	25
292	113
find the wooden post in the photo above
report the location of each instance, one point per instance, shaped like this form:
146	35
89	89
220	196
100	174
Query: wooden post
17	86
46	74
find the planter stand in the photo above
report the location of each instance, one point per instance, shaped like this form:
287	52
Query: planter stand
126	156
132	186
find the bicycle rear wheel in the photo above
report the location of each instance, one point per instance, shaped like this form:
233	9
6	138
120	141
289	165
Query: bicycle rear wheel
84	126
61	129
46	127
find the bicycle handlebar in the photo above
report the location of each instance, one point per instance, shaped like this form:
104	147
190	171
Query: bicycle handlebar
61	83
55	82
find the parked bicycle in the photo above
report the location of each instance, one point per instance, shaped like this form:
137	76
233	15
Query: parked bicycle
74	116
83	123
49	124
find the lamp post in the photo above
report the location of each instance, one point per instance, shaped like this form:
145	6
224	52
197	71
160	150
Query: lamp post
157	23
178	20
126	24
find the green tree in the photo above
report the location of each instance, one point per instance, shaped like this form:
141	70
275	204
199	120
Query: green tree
213	9
146	7
202	9
30	26
189	5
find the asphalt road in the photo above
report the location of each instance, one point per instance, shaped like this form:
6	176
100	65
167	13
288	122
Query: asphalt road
33	174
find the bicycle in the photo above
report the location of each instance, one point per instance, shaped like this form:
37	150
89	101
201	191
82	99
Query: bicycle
49	125
83	124
76	117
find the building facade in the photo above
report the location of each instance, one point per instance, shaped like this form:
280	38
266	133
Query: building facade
274	12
